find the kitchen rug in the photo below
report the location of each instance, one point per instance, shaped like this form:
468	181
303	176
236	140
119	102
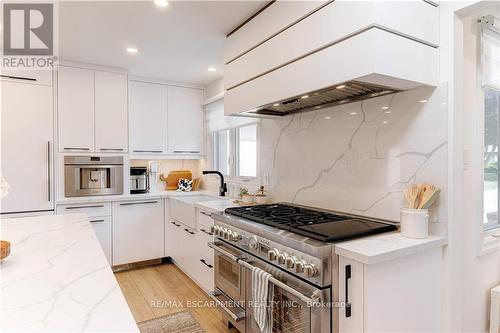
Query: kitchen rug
179	322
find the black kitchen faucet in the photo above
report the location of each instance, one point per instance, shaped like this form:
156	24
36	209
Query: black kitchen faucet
223	186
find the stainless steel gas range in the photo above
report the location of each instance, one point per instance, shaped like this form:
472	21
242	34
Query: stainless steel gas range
295	244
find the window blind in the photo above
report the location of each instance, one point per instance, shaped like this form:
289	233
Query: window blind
216	120
490	51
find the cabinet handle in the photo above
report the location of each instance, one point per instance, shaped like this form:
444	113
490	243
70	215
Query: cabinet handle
137	203
111	149
177	225
148	151
208	233
19	78
49	180
186	151
206	214
205	263
79	207
75	148
347	303
96	221
189	232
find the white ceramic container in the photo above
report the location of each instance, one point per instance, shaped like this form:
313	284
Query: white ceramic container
414	223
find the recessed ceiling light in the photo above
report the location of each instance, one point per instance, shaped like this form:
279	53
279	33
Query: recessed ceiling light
132	50
385	108
353	113
387	112
305	96
385	122
212	69
161	3
328	118
423	101
342	86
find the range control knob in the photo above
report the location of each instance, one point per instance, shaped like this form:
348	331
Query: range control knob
282	258
235	236
272	254
290	262
310	270
225	233
217	230
253	243
299	266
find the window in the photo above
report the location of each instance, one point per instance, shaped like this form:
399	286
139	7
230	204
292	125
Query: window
235	151
221	151
490	92
246	147
491	143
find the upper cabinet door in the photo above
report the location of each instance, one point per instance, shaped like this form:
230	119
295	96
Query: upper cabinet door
185	120
148	117
110	112
76	109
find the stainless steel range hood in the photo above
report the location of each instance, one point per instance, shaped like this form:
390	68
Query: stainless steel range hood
344	93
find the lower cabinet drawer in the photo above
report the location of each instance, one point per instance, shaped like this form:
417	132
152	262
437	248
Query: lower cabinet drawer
91	209
102	229
206	259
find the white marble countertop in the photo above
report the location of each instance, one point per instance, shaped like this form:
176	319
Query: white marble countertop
57	279
125	197
384	247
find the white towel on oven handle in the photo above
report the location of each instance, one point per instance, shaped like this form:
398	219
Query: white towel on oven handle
262	297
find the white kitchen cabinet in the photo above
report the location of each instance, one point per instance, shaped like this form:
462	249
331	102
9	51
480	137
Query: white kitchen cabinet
138	231
173	237
399	295
102	227
27	139
75	109
148	117
111	134
185	120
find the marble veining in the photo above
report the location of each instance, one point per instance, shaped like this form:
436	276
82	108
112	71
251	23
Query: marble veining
359	157
57	279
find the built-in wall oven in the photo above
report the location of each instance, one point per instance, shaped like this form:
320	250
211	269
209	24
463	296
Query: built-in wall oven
297	307
93	175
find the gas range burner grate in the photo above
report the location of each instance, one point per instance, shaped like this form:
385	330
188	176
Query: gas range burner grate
324	226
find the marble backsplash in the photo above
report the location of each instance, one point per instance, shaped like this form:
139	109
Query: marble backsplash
359	157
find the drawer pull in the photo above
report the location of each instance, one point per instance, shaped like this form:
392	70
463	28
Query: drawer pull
205	263
206	214
96	221
76	148
137	203
18	78
177	225
81	207
186	151
148	151
189	232
111	149
208	233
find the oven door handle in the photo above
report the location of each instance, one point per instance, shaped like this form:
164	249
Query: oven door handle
213	295
215	247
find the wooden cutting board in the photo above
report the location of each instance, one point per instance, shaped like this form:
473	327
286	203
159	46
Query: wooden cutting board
173	178
4	249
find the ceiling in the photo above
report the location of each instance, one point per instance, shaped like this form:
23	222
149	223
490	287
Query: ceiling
176	43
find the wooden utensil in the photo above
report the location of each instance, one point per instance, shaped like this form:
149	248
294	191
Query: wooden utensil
412	195
429	196
4	249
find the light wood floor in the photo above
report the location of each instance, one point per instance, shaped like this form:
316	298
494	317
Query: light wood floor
156	291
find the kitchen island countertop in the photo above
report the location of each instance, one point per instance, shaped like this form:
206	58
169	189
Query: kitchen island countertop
57	279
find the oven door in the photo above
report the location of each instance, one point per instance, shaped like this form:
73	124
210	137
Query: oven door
229	275
291	313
